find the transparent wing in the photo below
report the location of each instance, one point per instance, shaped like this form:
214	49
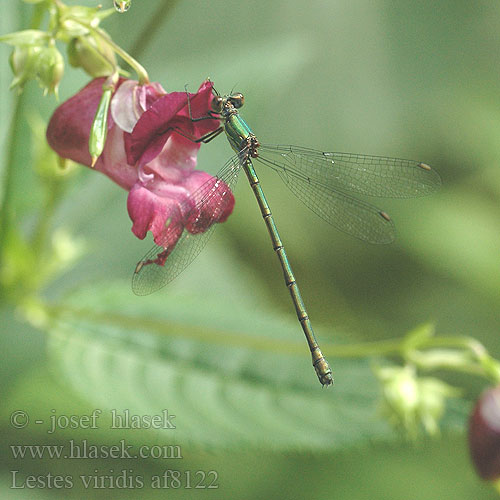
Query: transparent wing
355	217
164	263
363	174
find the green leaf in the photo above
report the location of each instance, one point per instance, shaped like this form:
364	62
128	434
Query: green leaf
231	375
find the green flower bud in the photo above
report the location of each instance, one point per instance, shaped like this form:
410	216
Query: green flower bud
92	55
71	19
50	69
400	396
410	402
432	402
23	60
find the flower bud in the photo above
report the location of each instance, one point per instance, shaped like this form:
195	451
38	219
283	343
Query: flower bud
484	435
92	55
23	59
432	402
49	69
400	396
411	402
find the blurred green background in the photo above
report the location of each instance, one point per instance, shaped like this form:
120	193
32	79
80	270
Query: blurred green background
404	79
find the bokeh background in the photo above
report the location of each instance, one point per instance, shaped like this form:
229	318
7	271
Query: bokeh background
404	79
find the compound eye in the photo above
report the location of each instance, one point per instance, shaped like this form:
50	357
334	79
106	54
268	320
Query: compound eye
216	104
237	100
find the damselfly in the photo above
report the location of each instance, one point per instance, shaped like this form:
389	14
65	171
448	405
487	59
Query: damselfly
321	180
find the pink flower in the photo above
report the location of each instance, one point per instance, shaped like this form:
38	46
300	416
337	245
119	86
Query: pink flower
146	156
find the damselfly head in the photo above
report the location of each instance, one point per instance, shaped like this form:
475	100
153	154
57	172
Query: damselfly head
217	103
227	103
237	100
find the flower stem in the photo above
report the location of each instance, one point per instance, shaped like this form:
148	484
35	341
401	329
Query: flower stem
397	346
7	186
8	177
52	195
138	68
478	362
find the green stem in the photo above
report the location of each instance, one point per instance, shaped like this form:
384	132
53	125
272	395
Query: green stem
52	195
481	363
6	209
380	348
138	68
390	347
38	14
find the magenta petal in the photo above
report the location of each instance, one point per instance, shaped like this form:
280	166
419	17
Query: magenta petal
131	100
147	211
170	112
113	161
69	127
176	161
154	162
153	128
152	212
200	102
200	107
146	95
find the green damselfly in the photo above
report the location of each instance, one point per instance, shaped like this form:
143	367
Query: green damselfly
321	180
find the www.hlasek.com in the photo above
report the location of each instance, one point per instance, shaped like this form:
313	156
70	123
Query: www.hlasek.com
83	449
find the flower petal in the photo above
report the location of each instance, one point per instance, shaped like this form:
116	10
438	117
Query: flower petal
131	100
156	212
69	127
155	163
165	115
